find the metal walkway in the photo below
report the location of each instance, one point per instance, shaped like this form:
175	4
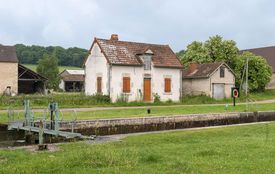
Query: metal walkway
20	126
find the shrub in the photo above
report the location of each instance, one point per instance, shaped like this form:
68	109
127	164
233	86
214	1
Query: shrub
156	98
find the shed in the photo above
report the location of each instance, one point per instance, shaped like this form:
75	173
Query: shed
72	80
29	81
211	79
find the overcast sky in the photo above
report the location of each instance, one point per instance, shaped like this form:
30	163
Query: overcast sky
251	23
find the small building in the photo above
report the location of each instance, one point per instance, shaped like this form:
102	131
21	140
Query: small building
8	70
72	80
132	71
15	78
211	79
267	53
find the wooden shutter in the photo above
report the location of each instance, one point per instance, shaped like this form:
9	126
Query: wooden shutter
167	85
126	85
99	84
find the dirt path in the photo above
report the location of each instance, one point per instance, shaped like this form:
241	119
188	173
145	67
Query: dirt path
137	107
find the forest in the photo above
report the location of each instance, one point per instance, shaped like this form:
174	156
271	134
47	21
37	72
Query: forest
66	57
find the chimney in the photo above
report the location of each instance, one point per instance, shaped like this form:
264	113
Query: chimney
192	67
114	37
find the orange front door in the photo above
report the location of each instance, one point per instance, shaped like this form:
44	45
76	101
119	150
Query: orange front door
147	90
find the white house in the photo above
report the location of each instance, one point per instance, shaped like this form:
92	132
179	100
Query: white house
131	70
211	79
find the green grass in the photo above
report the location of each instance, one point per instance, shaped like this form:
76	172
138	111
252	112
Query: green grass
141	112
238	149
61	68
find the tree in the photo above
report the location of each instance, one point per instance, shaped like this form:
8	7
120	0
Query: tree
48	67
214	49
259	72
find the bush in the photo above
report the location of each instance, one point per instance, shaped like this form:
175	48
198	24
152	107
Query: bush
156	98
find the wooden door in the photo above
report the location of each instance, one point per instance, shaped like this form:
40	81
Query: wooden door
147	90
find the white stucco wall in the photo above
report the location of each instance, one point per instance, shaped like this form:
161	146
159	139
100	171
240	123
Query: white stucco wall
62	85
158	76
96	65
205	85
136	82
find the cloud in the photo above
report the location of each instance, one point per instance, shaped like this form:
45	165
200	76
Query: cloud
75	22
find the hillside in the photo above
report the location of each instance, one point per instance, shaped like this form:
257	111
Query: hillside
61	68
66	57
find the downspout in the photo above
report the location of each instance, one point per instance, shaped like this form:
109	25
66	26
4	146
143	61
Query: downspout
109	79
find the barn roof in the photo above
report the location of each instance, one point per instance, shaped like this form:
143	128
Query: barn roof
266	52
72	75
128	53
8	54
202	70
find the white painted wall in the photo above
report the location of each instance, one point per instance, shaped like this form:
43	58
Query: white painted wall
158	76
136	82
62	85
96	65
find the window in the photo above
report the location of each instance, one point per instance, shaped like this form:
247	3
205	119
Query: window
167	85
99	84
126	85
222	72
147	62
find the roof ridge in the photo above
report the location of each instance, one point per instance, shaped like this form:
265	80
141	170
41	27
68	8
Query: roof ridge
257	48
134	42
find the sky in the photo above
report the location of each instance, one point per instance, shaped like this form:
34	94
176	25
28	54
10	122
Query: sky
69	23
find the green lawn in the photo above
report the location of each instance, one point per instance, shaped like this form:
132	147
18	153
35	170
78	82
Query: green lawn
61	68
141	112
238	149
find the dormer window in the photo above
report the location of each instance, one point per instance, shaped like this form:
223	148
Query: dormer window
147	59
147	62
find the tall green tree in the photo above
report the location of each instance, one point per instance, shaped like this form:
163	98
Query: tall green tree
259	72
48	67
214	49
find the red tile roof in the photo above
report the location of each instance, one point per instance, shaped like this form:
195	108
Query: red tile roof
127	53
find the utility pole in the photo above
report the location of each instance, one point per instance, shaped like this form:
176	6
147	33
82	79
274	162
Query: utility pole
246	84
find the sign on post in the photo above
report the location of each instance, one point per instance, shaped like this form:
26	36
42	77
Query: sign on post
235	94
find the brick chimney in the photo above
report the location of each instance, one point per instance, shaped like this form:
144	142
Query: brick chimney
192	67
114	37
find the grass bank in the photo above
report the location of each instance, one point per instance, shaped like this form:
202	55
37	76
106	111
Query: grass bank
238	149
141	112
79	100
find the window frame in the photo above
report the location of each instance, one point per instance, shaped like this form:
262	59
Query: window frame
126	85
167	85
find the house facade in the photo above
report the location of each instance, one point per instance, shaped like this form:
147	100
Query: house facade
211	79
132	71
72	80
267	53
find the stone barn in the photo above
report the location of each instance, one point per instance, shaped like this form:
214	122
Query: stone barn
211	79
16	78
